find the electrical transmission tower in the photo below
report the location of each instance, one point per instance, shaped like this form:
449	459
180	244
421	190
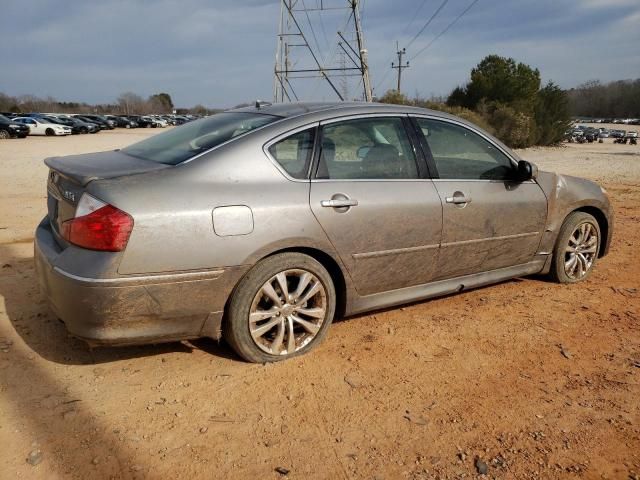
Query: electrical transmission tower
296	59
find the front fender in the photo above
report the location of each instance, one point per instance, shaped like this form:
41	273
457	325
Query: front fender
566	194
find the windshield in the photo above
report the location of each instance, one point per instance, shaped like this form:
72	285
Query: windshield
186	141
4	119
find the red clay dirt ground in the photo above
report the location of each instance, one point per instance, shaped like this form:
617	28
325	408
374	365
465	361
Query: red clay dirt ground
534	379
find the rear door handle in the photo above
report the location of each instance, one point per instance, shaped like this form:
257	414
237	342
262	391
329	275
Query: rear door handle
339	203
458	198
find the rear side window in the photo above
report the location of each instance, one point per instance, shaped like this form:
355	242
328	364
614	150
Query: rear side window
370	148
462	154
294	153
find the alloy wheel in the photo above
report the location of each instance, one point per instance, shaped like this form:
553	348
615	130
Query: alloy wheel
581	251
287	312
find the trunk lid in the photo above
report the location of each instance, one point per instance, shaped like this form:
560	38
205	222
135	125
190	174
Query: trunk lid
82	169
69	176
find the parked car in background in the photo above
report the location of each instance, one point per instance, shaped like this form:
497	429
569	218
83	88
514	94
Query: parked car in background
77	126
161	122
11	129
102	125
108	124
121	122
617	133
39	126
281	217
131	121
143	121
92	127
633	134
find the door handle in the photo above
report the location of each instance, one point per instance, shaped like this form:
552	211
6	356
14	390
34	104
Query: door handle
458	198
339	203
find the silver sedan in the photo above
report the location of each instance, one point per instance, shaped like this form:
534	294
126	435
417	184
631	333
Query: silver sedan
263	224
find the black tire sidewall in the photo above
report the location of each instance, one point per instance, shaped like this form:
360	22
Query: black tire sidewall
236	328
572	221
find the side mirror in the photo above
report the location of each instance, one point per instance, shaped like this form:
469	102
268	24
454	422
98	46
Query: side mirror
526	171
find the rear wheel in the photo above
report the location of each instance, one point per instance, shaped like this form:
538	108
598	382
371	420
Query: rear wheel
282	308
49	132
4	135
576	249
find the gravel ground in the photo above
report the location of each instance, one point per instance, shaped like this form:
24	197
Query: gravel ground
526	379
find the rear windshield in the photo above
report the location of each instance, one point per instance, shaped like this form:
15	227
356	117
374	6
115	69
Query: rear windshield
190	139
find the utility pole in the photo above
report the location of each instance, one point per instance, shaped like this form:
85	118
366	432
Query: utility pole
400	66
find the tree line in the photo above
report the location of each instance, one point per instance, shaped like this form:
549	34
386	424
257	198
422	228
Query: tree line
620	99
127	103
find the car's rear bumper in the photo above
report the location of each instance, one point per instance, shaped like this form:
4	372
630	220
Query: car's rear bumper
130	310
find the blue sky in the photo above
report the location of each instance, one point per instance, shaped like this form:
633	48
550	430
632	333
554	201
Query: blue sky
221	53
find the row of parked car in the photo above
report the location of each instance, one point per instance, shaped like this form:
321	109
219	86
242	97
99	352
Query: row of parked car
583	133
20	125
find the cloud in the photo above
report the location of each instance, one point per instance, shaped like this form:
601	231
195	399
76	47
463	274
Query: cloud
222	53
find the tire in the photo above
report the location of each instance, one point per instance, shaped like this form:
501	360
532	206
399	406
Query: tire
577	248
49	132
4	135
84	130
272	343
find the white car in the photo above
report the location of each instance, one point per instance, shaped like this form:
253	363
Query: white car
42	127
161	122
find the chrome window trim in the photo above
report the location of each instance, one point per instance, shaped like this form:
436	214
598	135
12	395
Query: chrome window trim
370	180
458	180
283	136
358	116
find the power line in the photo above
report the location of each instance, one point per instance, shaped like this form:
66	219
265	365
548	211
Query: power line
445	30
413	18
435	14
313	33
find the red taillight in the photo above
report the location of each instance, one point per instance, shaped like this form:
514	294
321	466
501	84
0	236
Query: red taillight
106	228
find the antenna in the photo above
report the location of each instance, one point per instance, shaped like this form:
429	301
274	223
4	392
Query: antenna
294	49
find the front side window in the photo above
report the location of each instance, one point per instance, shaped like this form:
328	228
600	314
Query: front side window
371	148
190	139
462	154
294	153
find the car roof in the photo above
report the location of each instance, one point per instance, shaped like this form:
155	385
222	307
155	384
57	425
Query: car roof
302	112
295	109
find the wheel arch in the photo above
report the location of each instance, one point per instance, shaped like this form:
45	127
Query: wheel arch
603	223
325	259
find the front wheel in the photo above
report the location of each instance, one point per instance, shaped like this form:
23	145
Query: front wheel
282	308
576	249
49	132
4	135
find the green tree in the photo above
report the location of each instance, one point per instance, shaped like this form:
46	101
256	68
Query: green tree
502	80
551	114
161	102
